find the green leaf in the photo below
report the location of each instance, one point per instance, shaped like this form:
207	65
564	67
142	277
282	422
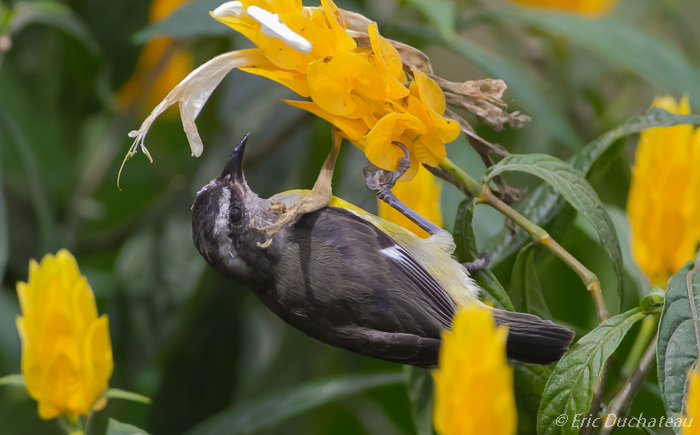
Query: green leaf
525	290
115	393
651	58
679	336
12	381
527	95
542	204
569	390
271	409
56	15
189	21
4	236
116	428
467	251
440	12
420	391
624	234
576	191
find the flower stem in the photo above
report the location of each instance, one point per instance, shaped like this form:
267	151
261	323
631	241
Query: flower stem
646	333
484	195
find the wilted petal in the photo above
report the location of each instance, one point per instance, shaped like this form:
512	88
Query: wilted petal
271	25
283	56
193	92
229	9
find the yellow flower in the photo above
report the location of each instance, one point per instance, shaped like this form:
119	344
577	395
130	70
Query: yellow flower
664	197
180	64
66	350
588	7
362	90
692	404
422	194
474	383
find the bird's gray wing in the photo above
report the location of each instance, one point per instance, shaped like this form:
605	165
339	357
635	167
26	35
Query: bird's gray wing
360	242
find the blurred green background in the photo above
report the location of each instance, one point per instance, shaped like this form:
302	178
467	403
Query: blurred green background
199	345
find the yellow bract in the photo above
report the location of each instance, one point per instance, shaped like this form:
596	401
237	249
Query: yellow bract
345	84
692	405
422	195
66	350
590	7
474	384
664	199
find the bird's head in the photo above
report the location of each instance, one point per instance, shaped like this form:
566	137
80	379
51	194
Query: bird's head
225	213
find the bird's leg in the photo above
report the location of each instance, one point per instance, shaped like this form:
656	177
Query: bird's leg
480	263
381	181
319	197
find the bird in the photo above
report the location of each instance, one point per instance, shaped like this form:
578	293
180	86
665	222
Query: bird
348	278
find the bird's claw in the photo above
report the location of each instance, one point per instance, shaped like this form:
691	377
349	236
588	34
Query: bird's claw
480	263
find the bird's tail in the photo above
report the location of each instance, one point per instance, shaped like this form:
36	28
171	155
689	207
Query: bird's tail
532	340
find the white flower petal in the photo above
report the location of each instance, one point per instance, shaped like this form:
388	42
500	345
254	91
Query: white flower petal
229	9
193	92
271	26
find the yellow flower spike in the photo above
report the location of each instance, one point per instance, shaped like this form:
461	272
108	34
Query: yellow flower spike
343	84
421	194
287	6
401	127
285	57
66	350
585	7
391	63
434	99
692	404
664	198
474	384
343	41
353	129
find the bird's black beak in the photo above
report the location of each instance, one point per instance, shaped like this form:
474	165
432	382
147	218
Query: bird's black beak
234	165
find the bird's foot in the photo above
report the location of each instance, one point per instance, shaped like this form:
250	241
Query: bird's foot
319	197
478	264
381	181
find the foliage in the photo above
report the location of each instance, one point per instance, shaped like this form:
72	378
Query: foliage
204	350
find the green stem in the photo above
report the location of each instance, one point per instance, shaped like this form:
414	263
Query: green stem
646	333
484	195
71	426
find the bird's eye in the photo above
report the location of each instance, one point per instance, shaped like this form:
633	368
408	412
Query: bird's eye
236	214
